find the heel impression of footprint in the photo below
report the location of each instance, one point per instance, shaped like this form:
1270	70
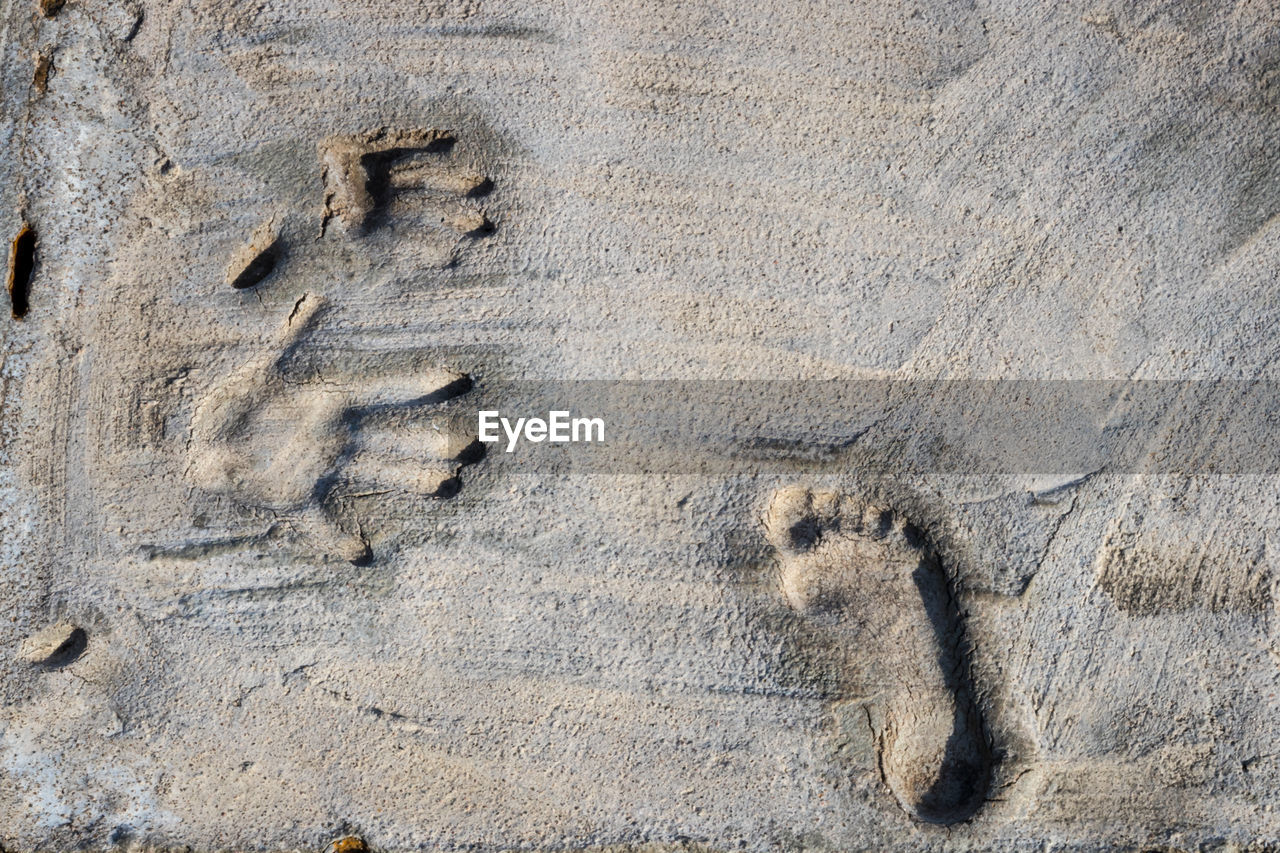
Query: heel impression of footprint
872	580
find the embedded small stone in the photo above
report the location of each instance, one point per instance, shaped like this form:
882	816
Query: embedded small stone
350	844
57	645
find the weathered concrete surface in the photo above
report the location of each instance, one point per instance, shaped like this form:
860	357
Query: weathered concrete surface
281	245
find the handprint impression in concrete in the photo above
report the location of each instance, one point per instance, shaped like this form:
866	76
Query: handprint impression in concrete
275	440
365	172
274	436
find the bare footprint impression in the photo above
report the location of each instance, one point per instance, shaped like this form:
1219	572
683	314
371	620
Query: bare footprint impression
872	580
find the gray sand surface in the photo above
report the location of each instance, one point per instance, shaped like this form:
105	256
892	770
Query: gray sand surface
260	588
